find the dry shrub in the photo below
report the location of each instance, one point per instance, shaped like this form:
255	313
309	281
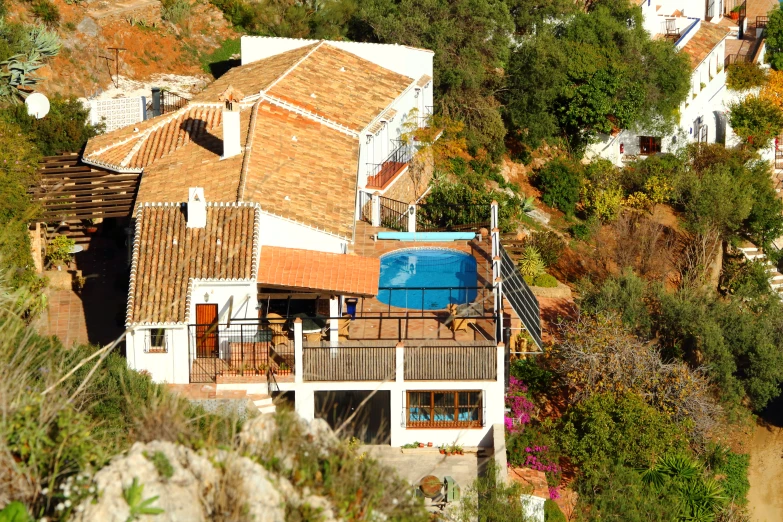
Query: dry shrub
638	242
598	355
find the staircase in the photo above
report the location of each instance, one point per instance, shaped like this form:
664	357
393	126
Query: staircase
754	253
263	402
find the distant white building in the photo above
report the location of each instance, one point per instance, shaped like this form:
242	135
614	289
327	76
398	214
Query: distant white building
709	38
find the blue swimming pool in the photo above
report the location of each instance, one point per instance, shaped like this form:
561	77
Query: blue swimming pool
427	278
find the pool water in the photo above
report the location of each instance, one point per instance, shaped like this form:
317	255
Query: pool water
427	278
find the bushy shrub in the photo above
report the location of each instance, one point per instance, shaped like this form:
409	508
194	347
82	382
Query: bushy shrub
530	371
549	245
586	230
602	202
748	279
545	281
560	182
607	429
174	11
731	470
756	121
552	512
744	75
46	11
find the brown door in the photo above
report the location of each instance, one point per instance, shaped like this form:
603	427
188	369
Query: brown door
206	330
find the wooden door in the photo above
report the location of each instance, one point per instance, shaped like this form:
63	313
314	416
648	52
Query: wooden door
206	330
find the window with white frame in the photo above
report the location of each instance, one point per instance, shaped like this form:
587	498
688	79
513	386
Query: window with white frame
156	341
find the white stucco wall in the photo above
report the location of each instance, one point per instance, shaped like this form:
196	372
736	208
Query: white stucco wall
171	366
405	60
277	231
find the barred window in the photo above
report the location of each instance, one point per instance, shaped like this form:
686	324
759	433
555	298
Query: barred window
649	145
157	340
444	409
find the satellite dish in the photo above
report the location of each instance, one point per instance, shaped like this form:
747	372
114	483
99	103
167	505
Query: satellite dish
37	105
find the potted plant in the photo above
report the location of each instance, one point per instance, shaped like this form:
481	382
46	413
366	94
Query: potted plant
283	369
421	444
58	251
735	13
441	450
429	444
90	227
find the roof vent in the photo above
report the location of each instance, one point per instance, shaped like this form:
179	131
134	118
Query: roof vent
294	138
197	208
313	95
342	69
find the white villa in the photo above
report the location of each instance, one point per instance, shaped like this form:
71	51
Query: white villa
711	39
248	229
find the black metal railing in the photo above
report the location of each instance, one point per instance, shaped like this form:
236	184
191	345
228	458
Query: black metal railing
425	116
453	218
471	301
170	102
379	174
394	214
734	58
239	349
365	206
762	21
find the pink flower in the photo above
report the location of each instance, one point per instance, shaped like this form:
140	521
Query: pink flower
554	494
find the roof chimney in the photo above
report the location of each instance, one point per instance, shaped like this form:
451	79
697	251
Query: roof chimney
197	208
231	139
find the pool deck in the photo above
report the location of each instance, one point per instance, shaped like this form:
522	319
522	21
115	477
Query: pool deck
416	324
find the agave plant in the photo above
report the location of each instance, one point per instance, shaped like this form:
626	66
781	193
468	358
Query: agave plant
44	42
701	498
531	264
17	77
528	204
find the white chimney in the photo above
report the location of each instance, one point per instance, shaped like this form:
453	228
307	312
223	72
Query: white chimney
197	208
231	146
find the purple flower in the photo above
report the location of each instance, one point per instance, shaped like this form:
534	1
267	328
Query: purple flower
554	494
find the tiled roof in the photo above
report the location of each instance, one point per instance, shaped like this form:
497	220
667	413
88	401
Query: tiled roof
424	80
341	87
302	170
196	163
703	42
254	77
167	256
136	147
339	273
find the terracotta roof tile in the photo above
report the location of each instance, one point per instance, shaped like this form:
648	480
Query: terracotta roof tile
167	255
254	77
341	87
155	138
703	42
195	163
302	170
307	269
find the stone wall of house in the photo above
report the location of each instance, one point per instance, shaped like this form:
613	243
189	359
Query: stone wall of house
404	188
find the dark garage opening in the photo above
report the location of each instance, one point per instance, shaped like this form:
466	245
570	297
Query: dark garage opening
370	424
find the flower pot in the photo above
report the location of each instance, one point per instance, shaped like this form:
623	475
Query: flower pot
448	454
442	451
421	444
461	452
429	444
91	229
734	16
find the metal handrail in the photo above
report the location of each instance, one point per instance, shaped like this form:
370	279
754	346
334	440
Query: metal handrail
378	174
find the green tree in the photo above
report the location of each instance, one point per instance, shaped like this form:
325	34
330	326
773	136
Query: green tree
65	129
774	34
594	72
470	39
755	120
744	75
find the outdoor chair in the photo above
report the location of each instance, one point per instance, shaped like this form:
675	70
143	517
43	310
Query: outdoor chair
343	326
671	27
277	324
457	323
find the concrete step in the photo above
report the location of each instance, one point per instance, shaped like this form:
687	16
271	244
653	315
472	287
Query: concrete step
264	403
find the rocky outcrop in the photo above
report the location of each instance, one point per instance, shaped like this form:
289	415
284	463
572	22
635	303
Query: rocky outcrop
196	486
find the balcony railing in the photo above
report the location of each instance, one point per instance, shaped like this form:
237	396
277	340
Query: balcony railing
380	174
349	362
249	350
394	214
456	218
